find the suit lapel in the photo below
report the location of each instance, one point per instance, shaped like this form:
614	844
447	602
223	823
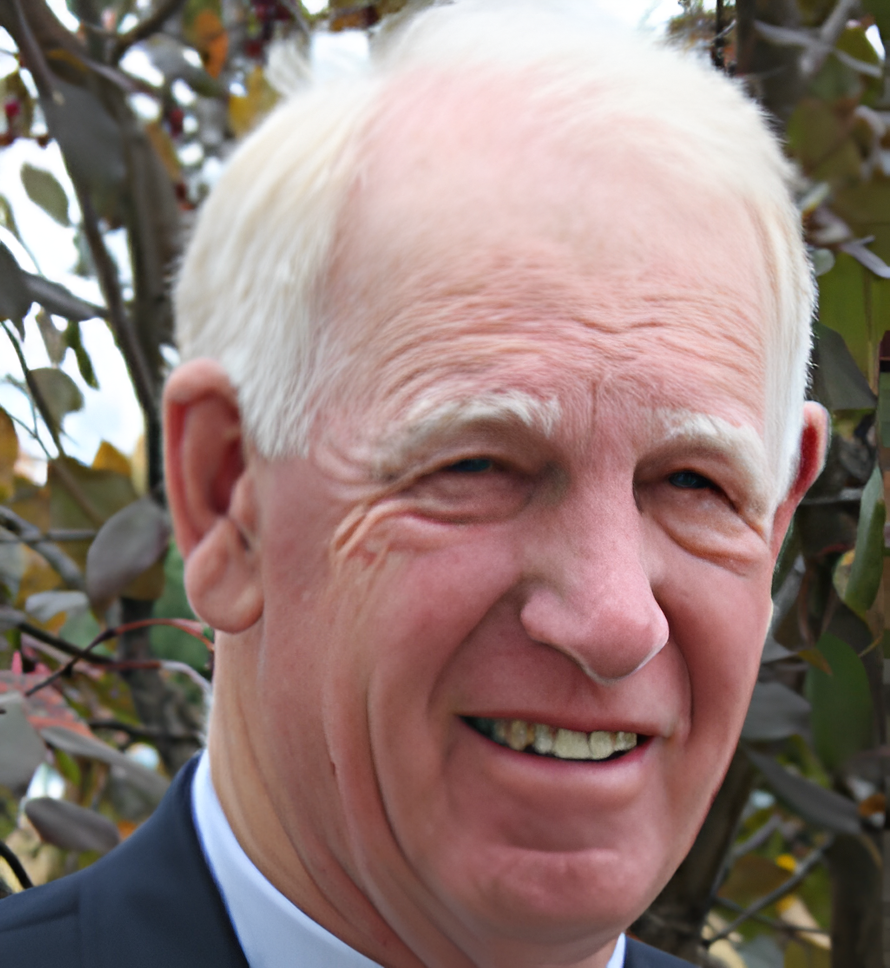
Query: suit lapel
153	902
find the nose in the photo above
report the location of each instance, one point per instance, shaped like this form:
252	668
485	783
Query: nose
589	591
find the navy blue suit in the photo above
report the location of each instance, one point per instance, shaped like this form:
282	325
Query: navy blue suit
150	903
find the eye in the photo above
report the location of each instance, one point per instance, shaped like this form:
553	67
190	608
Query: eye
470	465
690	481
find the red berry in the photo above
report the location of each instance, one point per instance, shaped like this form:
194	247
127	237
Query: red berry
12	108
175	117
254	48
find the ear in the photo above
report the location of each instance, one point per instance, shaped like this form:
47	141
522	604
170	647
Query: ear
813	446
211	495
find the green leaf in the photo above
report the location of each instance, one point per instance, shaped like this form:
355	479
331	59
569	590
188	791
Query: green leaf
15	300
60	392
58	300
84	363
44	190
53	339
813	803
776	712
90	139
21	749
7	219
71	827
884	409
77	744
843	306
837	380
880	10
868	560
841	716
129	543
819	137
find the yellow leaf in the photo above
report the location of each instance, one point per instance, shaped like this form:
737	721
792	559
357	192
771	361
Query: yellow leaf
37	577
149	586
211	40
9	452
245	111
817	660
162	144
109	458
786	862
139	472
751	877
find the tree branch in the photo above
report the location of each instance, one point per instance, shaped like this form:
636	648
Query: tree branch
815	857
54	534
117	313
63	645
15	865
145	28
34	538
814	56
34	390
144	732
17	24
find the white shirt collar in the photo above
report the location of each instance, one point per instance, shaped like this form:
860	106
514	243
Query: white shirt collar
274	932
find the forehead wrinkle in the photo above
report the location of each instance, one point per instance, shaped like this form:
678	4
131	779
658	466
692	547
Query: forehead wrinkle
741	443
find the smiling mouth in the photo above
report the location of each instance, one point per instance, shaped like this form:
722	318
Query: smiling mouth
559	744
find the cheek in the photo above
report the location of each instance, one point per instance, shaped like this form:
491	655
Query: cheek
719	622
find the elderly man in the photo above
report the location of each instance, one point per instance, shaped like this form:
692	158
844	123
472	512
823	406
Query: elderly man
491	426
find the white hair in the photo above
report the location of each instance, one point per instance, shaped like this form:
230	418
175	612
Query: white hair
248	291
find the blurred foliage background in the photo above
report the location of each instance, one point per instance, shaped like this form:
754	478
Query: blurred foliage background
104	673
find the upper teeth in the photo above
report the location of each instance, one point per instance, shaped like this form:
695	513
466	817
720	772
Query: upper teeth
566	744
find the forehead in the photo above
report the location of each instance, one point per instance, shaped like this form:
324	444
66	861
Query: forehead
494	237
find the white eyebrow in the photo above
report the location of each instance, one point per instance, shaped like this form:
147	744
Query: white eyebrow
428	419
743	442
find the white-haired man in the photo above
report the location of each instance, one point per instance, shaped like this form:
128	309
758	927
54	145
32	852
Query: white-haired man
490	427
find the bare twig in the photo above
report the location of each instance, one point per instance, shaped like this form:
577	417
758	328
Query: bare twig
34	538
117	313
63	645
145	28
54	534
296	12
717	48
758	838
15	865
815	857
32	432
784	926
27	44
34	390
814	56
143	732
188	626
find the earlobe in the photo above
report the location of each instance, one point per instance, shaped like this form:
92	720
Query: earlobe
813	447
211	496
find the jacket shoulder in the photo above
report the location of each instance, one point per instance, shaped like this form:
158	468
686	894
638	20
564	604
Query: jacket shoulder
39	928
641	955
152	900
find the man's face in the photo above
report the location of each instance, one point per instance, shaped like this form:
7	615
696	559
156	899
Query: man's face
541	517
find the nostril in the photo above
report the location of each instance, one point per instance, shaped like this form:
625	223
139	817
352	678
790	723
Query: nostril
603	677
608	642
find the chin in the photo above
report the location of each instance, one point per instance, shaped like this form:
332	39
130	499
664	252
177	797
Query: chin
564	900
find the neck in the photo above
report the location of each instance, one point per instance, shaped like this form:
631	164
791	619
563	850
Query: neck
303	870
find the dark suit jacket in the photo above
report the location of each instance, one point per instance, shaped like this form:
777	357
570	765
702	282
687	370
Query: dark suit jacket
150	903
